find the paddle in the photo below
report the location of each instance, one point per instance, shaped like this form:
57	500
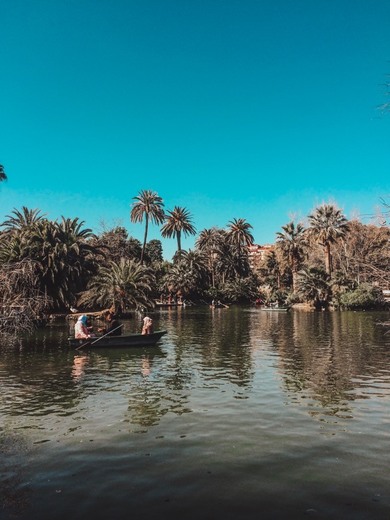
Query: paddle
224	304
98	339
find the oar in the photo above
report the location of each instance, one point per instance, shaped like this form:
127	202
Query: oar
101	337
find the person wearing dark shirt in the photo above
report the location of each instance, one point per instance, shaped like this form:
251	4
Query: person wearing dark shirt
113	327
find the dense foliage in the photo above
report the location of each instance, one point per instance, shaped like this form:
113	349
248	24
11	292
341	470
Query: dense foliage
331	262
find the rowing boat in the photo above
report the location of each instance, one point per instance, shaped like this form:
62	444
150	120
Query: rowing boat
125	340
275	309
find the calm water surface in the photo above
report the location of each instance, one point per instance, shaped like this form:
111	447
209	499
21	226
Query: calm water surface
237	414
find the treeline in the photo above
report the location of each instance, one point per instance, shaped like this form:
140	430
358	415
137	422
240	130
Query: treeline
49	266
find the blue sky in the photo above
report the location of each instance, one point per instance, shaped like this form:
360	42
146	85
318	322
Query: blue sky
255	109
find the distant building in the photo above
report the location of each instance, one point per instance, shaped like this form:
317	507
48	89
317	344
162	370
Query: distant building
258	253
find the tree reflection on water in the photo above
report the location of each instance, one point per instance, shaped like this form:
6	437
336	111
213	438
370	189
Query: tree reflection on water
326	356
236	370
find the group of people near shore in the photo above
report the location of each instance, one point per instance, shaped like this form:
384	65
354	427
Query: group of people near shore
113	327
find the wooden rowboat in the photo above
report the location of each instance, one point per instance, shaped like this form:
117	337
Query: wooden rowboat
125	340
159	303
275	309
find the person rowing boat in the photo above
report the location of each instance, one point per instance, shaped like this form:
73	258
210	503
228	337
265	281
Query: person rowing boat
113	327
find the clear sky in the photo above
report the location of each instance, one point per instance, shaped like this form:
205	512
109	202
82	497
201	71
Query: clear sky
254	109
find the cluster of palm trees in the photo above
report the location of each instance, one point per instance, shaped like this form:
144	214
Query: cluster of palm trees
61	252
71	265
352	254
149	205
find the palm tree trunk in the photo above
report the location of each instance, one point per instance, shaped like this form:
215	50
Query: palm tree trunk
328	259
178	242
145	238
294	279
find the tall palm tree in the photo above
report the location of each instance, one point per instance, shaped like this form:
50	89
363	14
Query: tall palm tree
150	205
239	233
209	240
239	237
3	176
291	243
211	243
196	263
327	226
178	221
272	273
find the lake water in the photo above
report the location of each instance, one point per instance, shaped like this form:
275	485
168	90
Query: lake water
237	414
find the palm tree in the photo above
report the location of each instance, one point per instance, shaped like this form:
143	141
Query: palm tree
122	284
239	234
270	271
239	238
195	262
180	280
154	251
313	285
13	248
22	220
3	176
328	225
177	222
66	256
150	205
210	242
291	243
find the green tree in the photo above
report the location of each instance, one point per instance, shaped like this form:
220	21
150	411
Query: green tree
240	290
121	285
22	220
66	256
239	233
114	242
363	297
179	280
291	243
147	205
187	277
327	226
63	253
178	222
210	242
314	286
365	255
154	251
270	276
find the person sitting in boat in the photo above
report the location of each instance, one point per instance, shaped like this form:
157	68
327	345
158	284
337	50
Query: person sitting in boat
147	327
113	327
81	330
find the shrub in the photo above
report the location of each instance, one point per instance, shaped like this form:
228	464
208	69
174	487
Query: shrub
363	297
